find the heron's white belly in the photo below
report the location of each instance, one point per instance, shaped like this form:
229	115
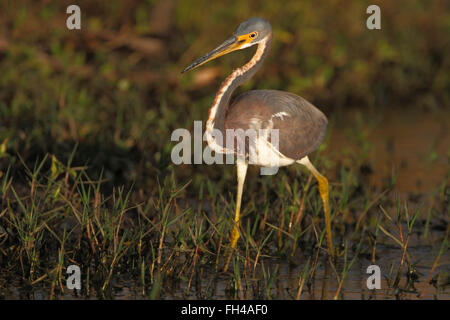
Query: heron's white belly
267	155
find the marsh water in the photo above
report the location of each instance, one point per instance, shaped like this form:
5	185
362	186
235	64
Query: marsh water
323	286
416	147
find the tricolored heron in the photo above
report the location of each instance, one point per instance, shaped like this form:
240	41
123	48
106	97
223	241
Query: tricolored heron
301	126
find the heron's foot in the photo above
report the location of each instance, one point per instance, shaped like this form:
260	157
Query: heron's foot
234	238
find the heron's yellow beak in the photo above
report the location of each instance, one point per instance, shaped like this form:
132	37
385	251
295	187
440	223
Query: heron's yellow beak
231	44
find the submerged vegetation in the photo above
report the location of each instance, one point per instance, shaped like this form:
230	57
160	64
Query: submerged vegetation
86	176
171	243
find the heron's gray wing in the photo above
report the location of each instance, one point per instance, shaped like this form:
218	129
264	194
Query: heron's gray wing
301	126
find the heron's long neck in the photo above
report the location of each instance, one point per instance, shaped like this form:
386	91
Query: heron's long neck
218	110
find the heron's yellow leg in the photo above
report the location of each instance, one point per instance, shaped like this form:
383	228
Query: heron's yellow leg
323	190
241	172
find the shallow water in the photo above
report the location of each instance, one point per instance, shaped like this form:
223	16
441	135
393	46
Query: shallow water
414	146
323	285
417	147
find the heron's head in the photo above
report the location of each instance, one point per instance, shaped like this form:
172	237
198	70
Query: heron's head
247	34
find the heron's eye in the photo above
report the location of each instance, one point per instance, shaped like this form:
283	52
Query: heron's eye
253	34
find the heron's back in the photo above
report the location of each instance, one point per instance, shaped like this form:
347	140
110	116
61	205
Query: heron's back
301	125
